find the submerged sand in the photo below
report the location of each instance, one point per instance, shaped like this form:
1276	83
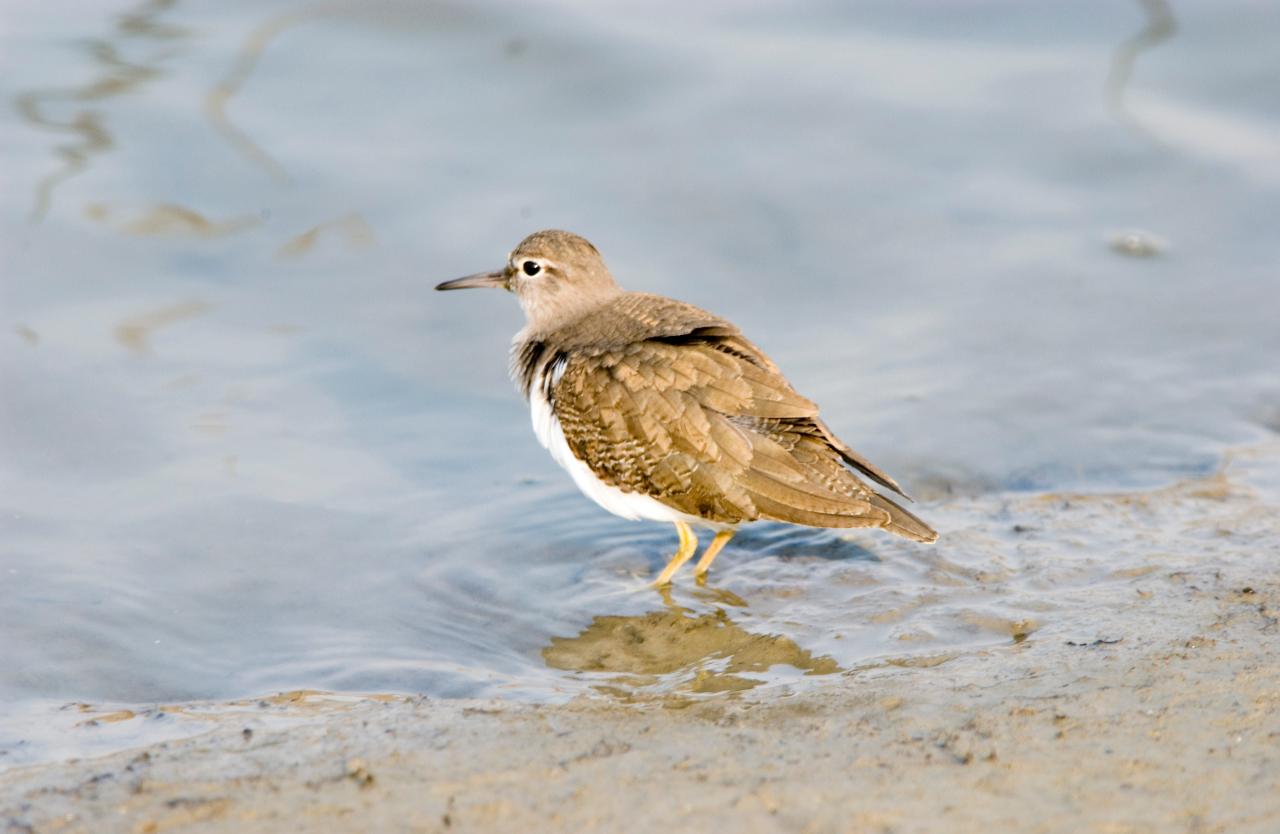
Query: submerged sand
1166	718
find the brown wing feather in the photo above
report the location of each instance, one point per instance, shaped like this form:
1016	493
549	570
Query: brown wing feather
694	414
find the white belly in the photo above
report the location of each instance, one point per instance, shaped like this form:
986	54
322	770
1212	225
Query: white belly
630	505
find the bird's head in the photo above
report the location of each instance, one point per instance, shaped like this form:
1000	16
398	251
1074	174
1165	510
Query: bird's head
556	275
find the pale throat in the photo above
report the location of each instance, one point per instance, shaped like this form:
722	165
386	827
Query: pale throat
547	309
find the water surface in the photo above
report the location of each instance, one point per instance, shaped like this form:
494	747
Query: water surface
244	448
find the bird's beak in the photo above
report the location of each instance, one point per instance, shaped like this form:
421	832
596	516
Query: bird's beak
480	279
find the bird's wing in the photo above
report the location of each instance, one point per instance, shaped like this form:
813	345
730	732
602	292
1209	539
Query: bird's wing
734	342
704	422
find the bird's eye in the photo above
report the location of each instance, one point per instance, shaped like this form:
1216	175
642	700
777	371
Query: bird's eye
531	267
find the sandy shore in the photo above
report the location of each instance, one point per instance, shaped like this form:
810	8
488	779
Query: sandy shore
1168	721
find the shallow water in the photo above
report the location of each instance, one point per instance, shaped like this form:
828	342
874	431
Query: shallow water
245	448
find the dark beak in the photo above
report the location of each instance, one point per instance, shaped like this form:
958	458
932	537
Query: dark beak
480	279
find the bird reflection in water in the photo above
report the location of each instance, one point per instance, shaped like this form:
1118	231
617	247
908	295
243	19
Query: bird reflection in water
675	650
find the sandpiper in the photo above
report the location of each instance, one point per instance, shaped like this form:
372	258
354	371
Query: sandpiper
662	411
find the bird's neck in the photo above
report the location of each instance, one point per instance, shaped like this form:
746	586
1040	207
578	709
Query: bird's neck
555	309
552	332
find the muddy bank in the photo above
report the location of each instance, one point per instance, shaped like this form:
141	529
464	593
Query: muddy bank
1175	731
1165	717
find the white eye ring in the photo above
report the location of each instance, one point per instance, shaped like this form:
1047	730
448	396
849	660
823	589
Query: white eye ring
531	268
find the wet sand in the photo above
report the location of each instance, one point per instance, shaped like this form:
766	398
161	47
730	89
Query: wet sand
1166	718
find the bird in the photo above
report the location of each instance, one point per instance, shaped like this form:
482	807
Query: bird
662	411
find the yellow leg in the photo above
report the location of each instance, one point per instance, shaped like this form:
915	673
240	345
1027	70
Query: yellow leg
709	555
688	546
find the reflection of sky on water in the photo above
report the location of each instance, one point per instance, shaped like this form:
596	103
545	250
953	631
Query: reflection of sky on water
246	448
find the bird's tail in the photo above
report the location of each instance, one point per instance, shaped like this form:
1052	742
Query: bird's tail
902	522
